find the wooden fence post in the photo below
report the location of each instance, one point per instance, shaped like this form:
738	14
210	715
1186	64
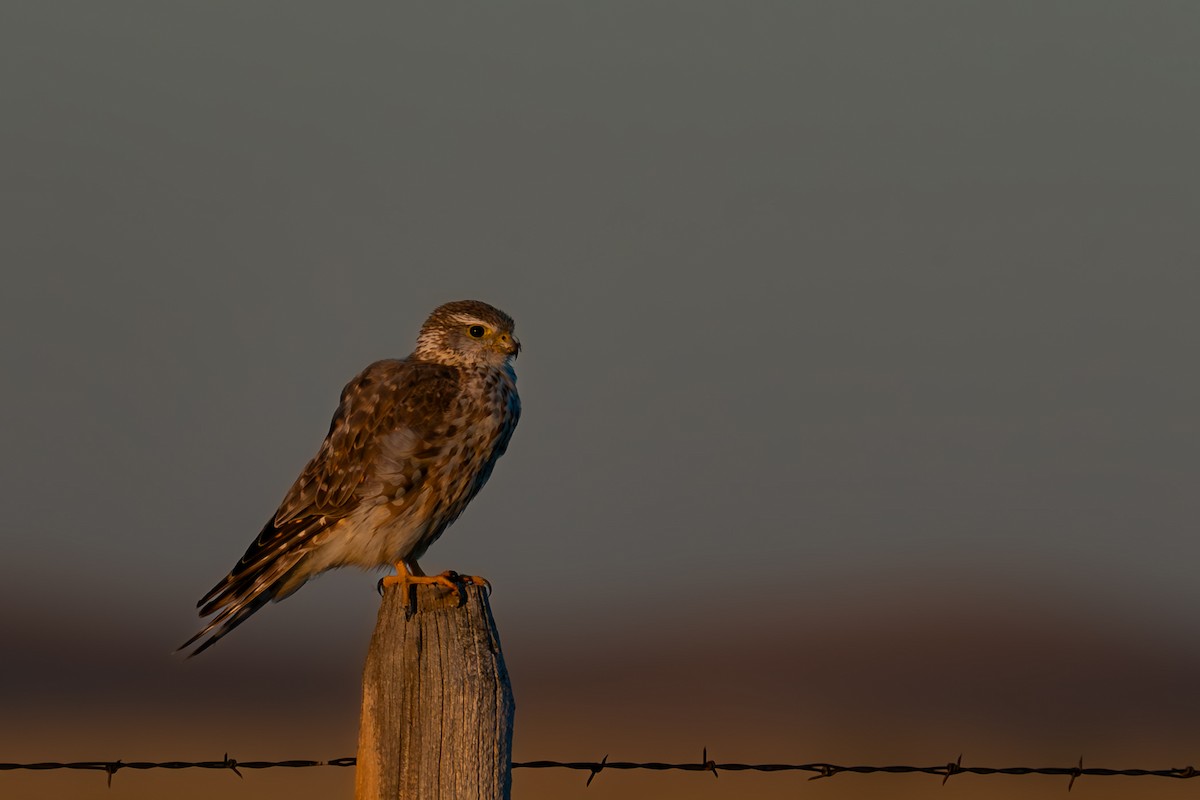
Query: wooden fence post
437	706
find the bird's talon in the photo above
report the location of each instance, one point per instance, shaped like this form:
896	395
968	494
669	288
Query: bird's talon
448	580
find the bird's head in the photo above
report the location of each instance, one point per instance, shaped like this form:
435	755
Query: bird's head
468	333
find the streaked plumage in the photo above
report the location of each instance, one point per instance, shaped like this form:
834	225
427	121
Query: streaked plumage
411	444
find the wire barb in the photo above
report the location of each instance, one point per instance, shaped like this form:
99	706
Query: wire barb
1075	774
824	771
596	769
953	768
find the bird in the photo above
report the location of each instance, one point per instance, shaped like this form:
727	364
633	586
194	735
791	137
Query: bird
412	442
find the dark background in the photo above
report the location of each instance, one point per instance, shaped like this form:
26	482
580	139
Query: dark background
859	376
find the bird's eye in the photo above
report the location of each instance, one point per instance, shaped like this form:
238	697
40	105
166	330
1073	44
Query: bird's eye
477	331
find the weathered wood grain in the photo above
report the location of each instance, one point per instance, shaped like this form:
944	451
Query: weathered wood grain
437	709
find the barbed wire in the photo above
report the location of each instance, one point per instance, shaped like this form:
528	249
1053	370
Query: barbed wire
593	768
112	767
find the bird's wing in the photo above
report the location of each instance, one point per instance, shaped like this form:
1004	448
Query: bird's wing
388	396
390	401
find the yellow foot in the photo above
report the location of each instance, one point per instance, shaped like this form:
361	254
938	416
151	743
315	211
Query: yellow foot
447	580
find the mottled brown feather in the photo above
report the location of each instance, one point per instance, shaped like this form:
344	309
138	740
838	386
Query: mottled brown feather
411	443
386	396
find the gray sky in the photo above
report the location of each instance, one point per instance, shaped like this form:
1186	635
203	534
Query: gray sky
830	310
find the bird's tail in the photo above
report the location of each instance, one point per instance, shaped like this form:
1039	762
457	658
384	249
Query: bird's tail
262	575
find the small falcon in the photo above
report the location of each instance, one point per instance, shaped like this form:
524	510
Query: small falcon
411	443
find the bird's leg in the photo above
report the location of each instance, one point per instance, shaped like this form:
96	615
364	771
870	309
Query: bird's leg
408	574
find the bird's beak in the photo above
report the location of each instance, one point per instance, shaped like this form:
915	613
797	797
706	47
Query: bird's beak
509	344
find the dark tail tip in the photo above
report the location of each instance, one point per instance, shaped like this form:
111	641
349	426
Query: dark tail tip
223	623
